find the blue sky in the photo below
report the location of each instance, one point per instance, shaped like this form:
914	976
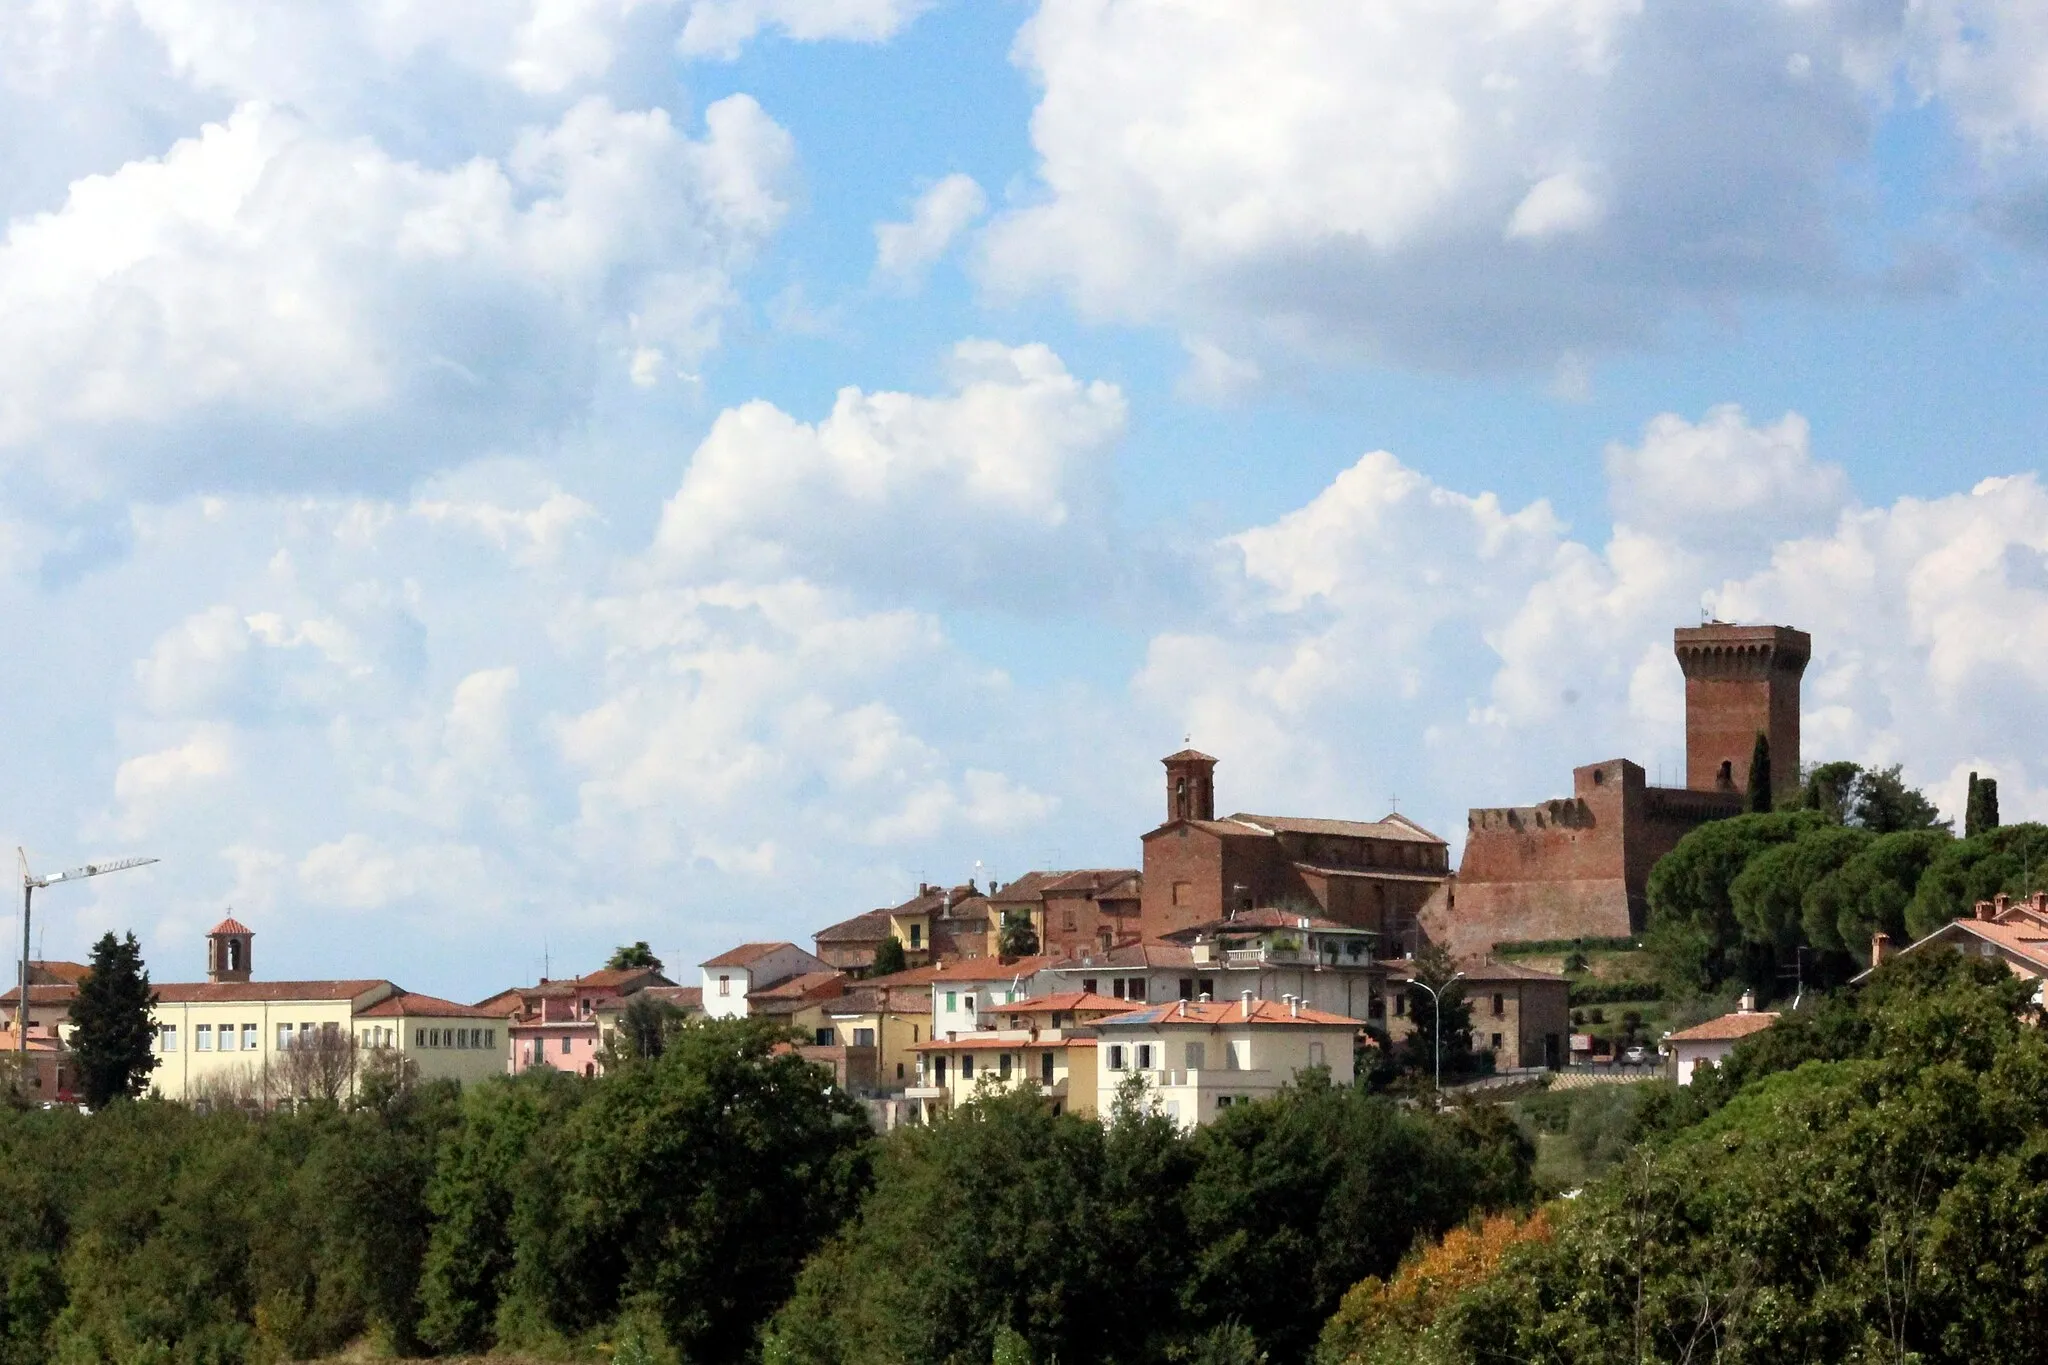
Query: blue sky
480	482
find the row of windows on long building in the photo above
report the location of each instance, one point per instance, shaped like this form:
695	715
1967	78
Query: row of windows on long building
245	1038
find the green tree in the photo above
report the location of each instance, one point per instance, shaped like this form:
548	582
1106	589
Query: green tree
1830	788
1871	892
2011	858
112	1036
633	955
1761	797
1885	804
1769	896
646	1024
1019	938
1451	1021
1980	808
1694	935
889	957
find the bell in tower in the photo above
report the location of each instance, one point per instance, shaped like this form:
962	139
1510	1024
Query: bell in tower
1190	786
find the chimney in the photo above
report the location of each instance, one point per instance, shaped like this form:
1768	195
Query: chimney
1294	1007
2001	904
1880	947
1986	910
2039	900
1747	1004
1244	1003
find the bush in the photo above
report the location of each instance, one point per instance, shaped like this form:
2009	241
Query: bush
1614	992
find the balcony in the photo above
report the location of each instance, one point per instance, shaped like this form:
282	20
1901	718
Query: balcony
924	1092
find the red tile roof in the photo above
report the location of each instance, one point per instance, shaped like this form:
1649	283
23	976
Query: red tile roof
607	978
42	995
230	925
49	972
682	997
975	1042
1392	827
1727	1028
207	992
745	954
1067	1001
803	987
1131	955
411	1005
870	927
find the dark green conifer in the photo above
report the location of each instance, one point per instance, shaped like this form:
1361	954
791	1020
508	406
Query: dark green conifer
112	1036
1760	775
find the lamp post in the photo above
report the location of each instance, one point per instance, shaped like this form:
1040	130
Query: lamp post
29	883
1437	1025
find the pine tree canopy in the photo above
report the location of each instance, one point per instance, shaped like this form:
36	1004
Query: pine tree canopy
112	1036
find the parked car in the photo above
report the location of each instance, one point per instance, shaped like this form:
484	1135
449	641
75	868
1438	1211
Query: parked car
1635	1056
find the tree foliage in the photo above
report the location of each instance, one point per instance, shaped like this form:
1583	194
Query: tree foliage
1980	806
633	955
1445	1015
111	1034
1019	938
1761	796
889	957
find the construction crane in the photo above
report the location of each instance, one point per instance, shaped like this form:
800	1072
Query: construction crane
29	884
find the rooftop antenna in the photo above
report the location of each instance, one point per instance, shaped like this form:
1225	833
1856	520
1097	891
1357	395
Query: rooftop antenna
30	882
1394	800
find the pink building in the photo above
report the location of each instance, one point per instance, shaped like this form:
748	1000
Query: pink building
556	1023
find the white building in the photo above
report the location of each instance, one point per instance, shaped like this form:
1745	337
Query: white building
1198	1058
732	976
1710	1043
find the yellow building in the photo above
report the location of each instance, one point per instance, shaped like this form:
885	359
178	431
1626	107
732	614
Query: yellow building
231	1040
958	1069
890	1017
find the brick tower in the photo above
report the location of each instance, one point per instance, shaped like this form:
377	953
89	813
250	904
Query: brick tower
1190	786
227	950
1740	680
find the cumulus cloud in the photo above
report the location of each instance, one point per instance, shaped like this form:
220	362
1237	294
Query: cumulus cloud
262	280
1470	184
719	28
1397	636
997	483
942	213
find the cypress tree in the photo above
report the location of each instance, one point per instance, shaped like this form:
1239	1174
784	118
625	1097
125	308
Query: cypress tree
1980	808
111	1032
1760	801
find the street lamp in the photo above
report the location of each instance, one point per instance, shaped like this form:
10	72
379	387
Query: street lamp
1437	1026
29	883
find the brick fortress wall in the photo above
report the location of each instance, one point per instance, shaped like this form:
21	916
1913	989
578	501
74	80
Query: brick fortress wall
1579	867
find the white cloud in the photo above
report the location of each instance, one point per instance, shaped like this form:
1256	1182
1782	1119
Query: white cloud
999	480
1459	183
1723	484
719	28
261	274
940	214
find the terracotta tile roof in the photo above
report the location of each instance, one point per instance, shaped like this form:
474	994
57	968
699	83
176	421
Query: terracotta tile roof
51	972
509	1001
972	969
606	978
1266	918
1727	1028
682	997
1264	1013
745	954
230	925
412	1005
1063	1001
1110	883
211	992
1374	874
1131	955
806	986
62	994
871	927
1392	827
1187	755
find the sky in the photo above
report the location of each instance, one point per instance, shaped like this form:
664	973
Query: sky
486	480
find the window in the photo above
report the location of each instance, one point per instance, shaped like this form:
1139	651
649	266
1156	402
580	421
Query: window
1195	1054
1315	1054
1067	920
248	1037
916	936
168	1037
565	1046
1500	1005
202	1038
1376	1008
1003	1066
419	1037
490	1037
1088	984
1117	988
822	1037
284	1037
1400	1006
913	1033
899	1071
966	1066
970	1003
952	1001
724	985
1180	893
1137	988
1116	1056
1207	986
1496	1042
863	1037
305	1033
1045	1068
1187	988
1144	1056
1223	1101
939	1070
